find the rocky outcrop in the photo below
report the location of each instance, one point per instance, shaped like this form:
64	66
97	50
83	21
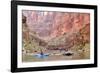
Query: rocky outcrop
55	23
57	28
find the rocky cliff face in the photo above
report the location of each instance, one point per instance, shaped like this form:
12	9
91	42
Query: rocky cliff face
55	30
48	25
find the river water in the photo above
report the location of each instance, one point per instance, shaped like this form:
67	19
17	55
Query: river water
75	56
